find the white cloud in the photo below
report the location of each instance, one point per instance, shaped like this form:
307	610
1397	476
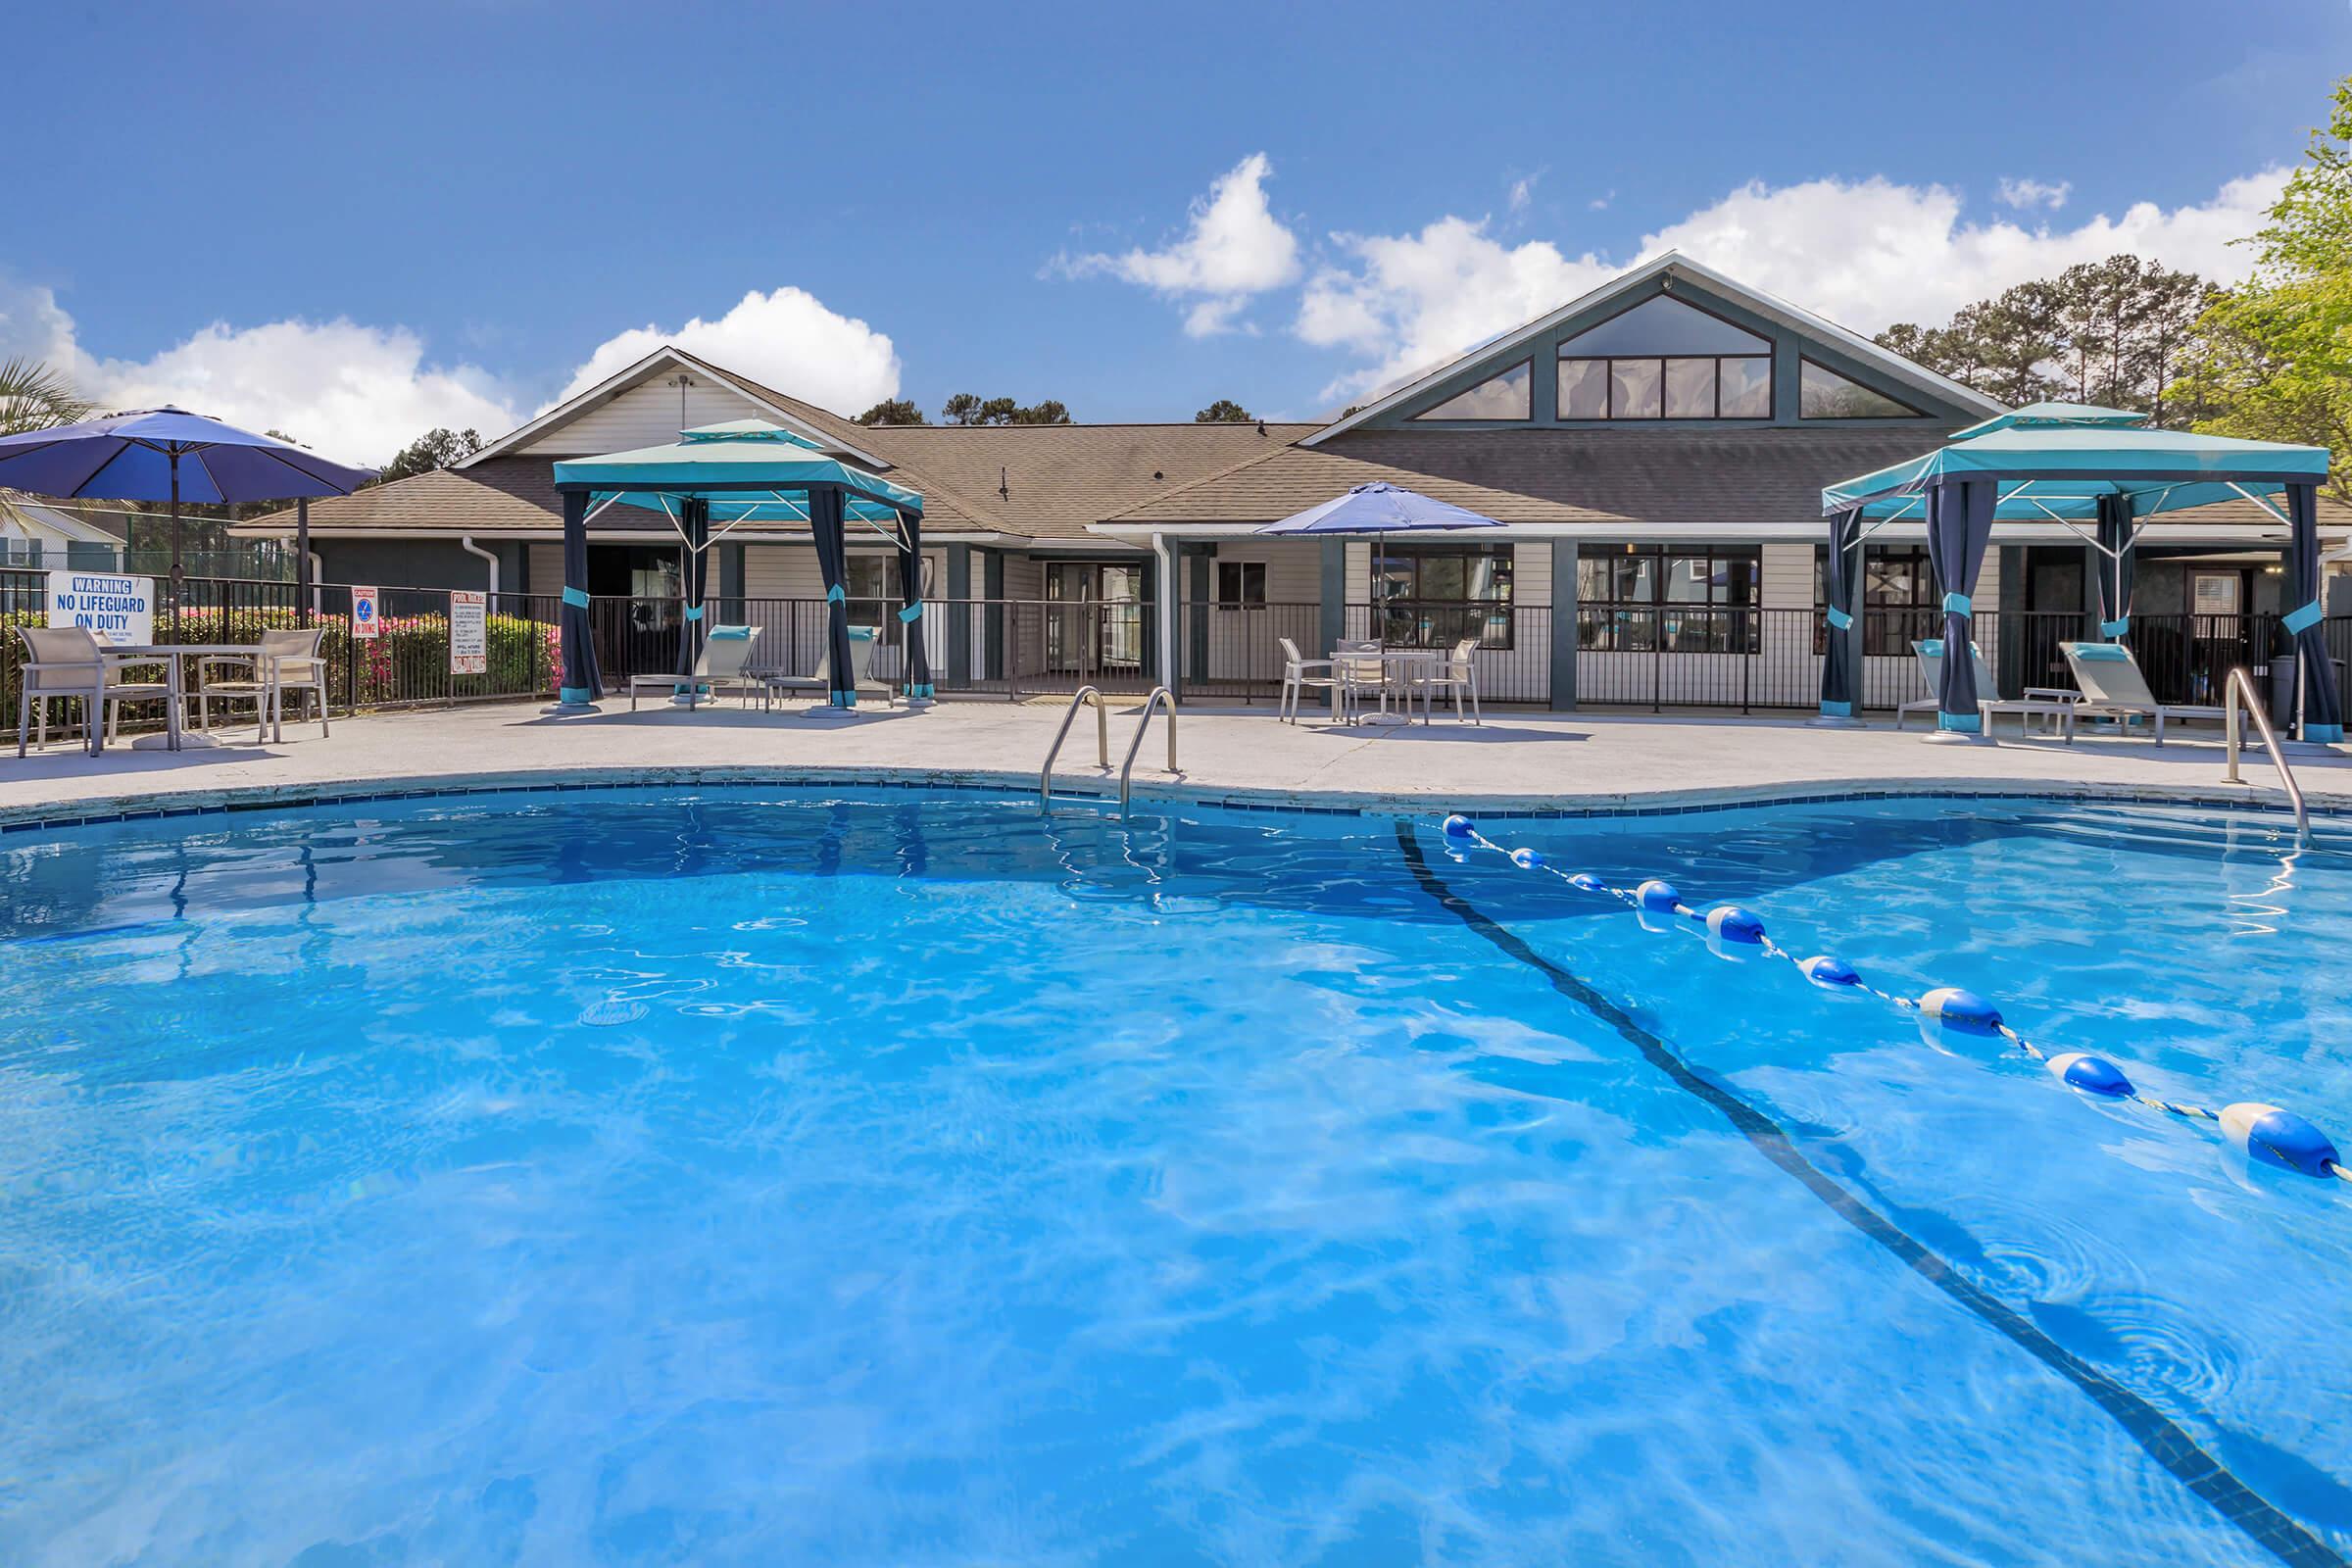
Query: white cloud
1865	254
786	339
1523	191
2028	193
360	393
351	392
1233	248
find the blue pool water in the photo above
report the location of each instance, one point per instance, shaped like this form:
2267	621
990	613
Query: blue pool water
754	1176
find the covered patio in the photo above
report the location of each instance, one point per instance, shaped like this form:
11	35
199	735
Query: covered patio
2101	474
744	472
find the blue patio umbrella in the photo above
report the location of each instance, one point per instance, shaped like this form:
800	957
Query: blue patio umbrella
1377	510
168	453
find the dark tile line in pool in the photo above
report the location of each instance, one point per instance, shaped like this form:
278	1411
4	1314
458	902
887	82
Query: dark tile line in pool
928	786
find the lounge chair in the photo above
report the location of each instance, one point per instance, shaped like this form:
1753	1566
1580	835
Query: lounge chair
68	664
2044	702
863	641
299	669
2114	688
719	666
1296	679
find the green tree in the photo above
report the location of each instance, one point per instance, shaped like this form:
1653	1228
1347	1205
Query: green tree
966	408
34	397
435	449
1224	411
2113	332
892	411
2272	357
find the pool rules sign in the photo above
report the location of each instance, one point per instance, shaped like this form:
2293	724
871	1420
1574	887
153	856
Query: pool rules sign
468	633
119	611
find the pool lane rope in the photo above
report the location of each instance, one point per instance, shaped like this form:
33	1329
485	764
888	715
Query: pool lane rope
2265	1132
2161	1437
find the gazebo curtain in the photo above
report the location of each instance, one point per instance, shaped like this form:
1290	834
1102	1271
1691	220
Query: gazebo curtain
579	684
2323	709
1841	666
911	606
2115	567
1959	529
826	512
693	515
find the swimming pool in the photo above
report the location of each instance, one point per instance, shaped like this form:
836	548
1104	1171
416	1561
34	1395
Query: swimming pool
755	1176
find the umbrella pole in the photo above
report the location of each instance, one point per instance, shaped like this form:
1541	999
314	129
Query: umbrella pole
179	577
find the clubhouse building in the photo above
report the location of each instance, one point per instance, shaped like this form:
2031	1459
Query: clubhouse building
1655	451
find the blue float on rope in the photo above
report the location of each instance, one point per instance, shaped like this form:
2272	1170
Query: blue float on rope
1824	971
1960	1009
1659	896
2093	1075
2280	1138
1458	826
1586	882
1733	924
1527	860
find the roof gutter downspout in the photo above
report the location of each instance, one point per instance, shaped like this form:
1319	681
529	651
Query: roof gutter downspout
1167	610
466	544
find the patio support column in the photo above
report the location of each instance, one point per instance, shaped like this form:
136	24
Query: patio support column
1198	564
1335	597
1841	657
1563	626
827	511
577	689
2114	564
2307	618
302	561
1959	527
917	663
991	591
960	616
694	588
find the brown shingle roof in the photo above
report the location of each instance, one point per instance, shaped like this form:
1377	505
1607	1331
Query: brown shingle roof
1061	478
1636	478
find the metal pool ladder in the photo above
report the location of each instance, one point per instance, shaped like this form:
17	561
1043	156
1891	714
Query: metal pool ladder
1152	704
1084	694
2240	694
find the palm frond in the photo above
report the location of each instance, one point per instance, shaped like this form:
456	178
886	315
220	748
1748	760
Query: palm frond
33	396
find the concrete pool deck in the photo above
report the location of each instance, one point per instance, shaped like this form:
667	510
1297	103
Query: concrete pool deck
1515	761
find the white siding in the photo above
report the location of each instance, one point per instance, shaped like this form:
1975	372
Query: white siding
1787	577
645	415
786	594
545	568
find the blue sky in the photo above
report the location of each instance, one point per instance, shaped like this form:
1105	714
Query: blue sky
349	225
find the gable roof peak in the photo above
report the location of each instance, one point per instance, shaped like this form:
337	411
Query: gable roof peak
1663	269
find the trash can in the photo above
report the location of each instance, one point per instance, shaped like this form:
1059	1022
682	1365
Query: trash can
2283	690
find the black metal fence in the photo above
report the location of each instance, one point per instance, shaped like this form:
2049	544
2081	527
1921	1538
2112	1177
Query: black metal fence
1649	656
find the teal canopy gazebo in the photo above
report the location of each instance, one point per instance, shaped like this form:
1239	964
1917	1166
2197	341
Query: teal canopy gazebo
744	472
2099	472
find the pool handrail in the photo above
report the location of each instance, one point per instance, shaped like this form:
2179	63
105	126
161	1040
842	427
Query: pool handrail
2239	693
1127	768
1045	775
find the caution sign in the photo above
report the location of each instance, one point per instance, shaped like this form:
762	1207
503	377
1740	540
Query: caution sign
118	611
366	615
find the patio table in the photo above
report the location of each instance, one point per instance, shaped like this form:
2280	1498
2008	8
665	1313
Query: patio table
1401	669
169	655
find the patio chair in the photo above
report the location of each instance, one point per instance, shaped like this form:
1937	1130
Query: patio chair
68	664
719	666
863	641
299	669
2046	703
2114	688
1296	679
1358	668
1456	672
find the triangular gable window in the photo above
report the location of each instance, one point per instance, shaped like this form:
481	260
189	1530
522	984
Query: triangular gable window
1824	394
1498	397
1660	326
